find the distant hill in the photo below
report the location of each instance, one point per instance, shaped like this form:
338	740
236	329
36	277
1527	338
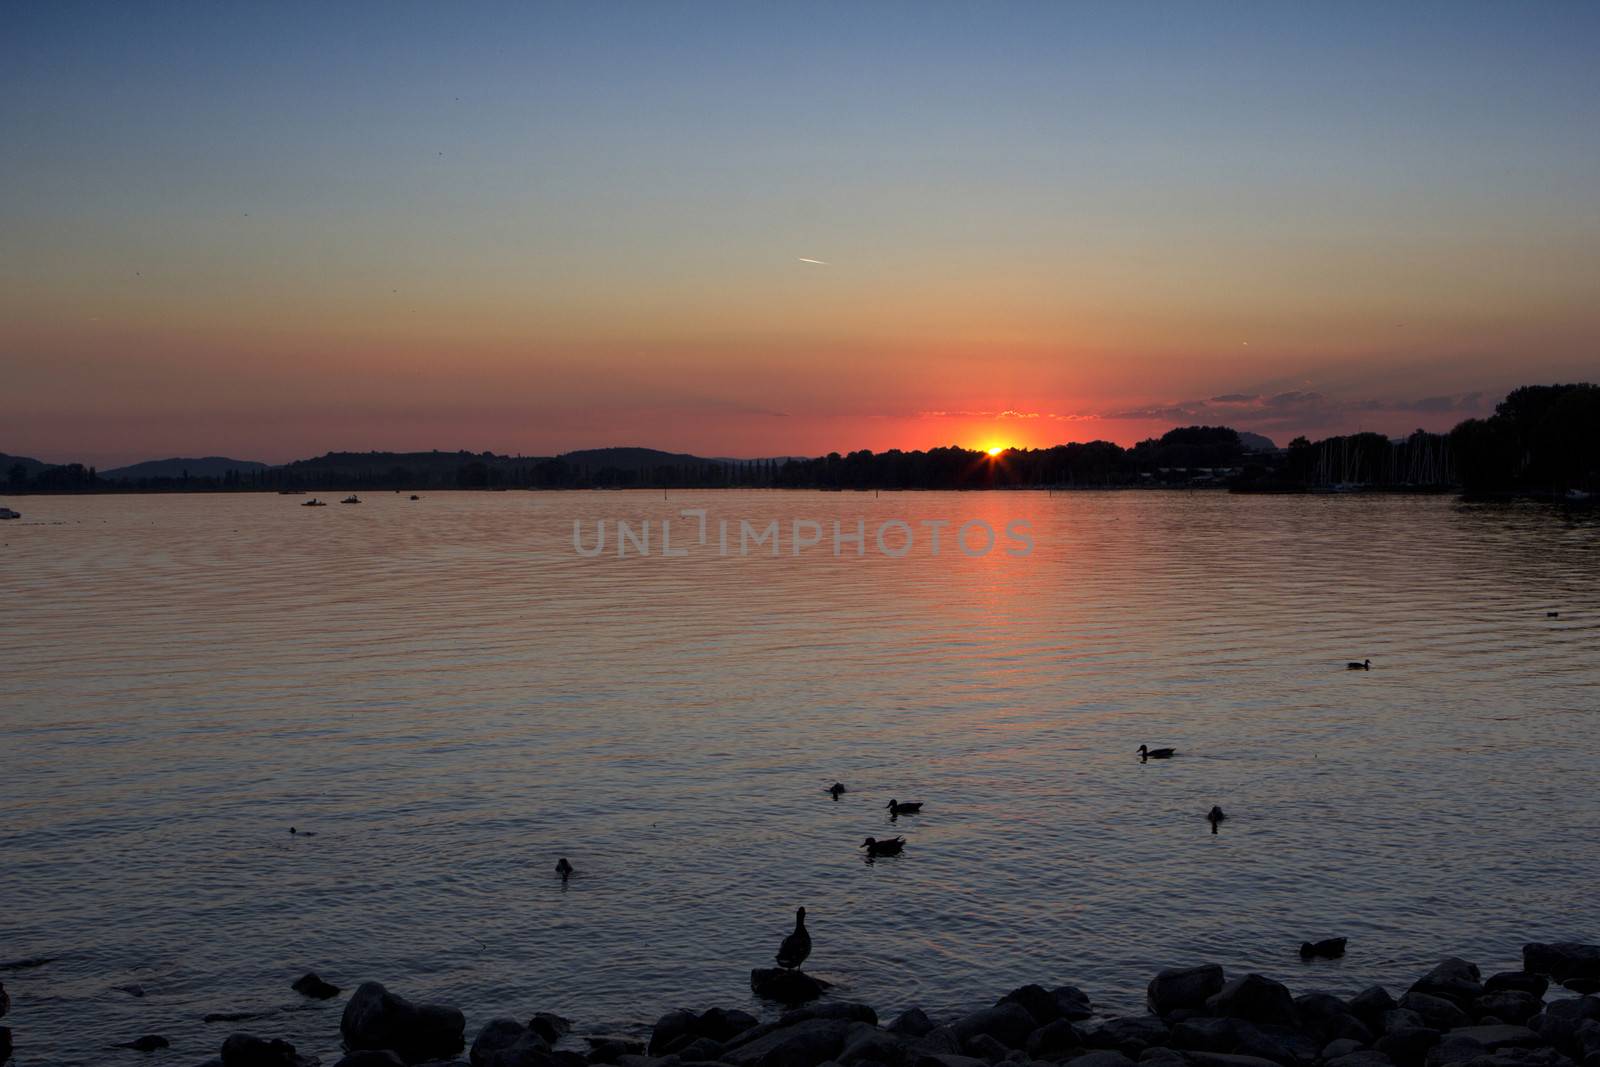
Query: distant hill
1254	442
202	467
31	466
628	459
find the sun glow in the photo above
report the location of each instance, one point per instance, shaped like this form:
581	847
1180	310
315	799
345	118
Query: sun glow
996	450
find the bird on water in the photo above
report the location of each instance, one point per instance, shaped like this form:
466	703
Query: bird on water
892	846
797	946
1364	665
897	808
1146	752
563	868
1214	816
836	788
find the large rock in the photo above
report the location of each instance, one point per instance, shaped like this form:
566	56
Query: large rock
371	1058
5	1000
913	1022
1128	1034
1054	1041
1224	1059
1255	999
722	1024
675	1027
1498	1037
1330	1018
1509	1005
508	1043
1438	1013
1562	1020
869	1045
1007	1022
1184	987
1454	979
1371	1005
1409	1046
1562	960
784	986
1522	981
803	1044
1039	1002
1280	1044
247	1050
1101	1058
1364	1058
1206	1034
849	1011
375	1018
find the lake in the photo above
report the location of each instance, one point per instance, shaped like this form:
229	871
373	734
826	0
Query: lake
451	697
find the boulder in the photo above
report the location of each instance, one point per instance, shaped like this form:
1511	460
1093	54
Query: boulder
1280	1044
606	1048
1102	1058
5	1043
247	1050
1256	999
310	985
1343	1046
699	1050
849	1011
802	1044
1054	1041
508	1043
1162	1057
721	1024
1498	1037
671	1027
1007	1022
913	1022
1453	979
1184	987
1438	1013
868	1044
371	1058
1562	960
1039	1002
1521	981
375	1018
1402	1019
1330	1018
1072	1002
1365	1058
549	1026
1128	1034
1205	1034
1407	1046
947	1059
940	1041
1224	1059
1508	1005
784	986
986	1048
1563	1019
1371	1005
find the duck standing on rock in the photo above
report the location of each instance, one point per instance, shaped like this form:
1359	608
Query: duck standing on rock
890	847
563	868
797	946
1148	753
897	808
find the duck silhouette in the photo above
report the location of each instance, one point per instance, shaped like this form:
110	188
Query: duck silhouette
1214	816
563	868
1330	949
1146	752
1364	665
836	788
897	808
797	946
892	846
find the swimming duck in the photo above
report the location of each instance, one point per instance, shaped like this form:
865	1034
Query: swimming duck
1215	815
836	788
563	868
797	946
302	833
1364	665
897	808
1146	752
891	847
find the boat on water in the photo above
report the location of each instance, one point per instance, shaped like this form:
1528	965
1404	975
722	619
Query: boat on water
7	513
351	499
312	503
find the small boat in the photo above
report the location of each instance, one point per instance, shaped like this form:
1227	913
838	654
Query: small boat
7	513
312	503
351	499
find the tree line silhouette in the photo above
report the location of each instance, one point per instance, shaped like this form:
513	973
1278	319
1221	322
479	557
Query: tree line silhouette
1541	439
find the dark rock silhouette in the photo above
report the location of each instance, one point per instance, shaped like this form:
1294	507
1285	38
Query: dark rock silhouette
785	986
147	1043
247	1050
375	1018
310	985
1327	949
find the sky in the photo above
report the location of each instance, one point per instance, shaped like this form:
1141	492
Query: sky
272	230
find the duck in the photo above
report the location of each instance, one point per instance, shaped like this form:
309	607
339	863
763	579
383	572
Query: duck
897	808
563	868
1364	665
890	847
797	946
1329	949
1146	752
302	833
1552	614
836	788
1215	815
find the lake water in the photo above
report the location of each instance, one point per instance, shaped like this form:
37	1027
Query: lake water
451	698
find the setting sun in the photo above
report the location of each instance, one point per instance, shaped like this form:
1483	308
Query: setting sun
996	450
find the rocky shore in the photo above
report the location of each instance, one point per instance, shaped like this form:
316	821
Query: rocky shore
1545	1015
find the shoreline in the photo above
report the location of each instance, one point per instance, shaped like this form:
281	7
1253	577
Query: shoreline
1545	1015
